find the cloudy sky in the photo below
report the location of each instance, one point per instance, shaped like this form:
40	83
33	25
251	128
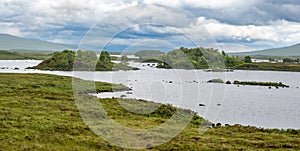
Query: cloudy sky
116	25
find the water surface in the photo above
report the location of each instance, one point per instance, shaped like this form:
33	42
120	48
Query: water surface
230	104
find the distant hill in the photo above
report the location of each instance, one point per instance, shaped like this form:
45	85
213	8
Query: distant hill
291	51
149	53
7	55
9	42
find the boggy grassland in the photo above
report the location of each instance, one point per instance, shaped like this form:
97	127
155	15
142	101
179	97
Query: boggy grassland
38	112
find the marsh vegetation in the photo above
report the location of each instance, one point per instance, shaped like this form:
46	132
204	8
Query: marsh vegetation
38	112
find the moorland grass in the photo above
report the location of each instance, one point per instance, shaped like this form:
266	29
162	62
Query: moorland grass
38	112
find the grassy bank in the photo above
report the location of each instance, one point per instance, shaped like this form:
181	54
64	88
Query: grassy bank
7	55
38	112
269	66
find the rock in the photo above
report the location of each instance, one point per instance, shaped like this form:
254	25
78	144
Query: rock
201	104
228	82
219	104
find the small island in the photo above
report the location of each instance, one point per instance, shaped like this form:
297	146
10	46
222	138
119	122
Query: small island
212	60
215	81
274	84
251	83
68	60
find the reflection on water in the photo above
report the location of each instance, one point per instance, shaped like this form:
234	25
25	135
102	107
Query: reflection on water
247	105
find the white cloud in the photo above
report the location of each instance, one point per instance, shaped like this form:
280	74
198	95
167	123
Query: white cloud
280	32
7	28
209	4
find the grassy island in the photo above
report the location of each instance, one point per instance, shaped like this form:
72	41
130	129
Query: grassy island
215	60
38	112
274	84
81	61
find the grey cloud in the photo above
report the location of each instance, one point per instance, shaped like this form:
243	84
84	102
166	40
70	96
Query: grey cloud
68	20
258	13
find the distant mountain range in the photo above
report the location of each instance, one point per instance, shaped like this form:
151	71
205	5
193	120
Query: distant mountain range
18	44
9	42
291	51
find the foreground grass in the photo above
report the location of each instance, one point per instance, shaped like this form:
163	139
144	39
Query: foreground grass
38	112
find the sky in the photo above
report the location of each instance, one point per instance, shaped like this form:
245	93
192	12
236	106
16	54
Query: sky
129	25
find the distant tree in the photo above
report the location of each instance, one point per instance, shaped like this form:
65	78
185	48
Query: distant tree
124	59
105	57
85	60
248	59
288	60
232	61
223	53
271	59
104	63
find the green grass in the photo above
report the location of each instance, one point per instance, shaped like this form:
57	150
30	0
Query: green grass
7	55
38	112
269	66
